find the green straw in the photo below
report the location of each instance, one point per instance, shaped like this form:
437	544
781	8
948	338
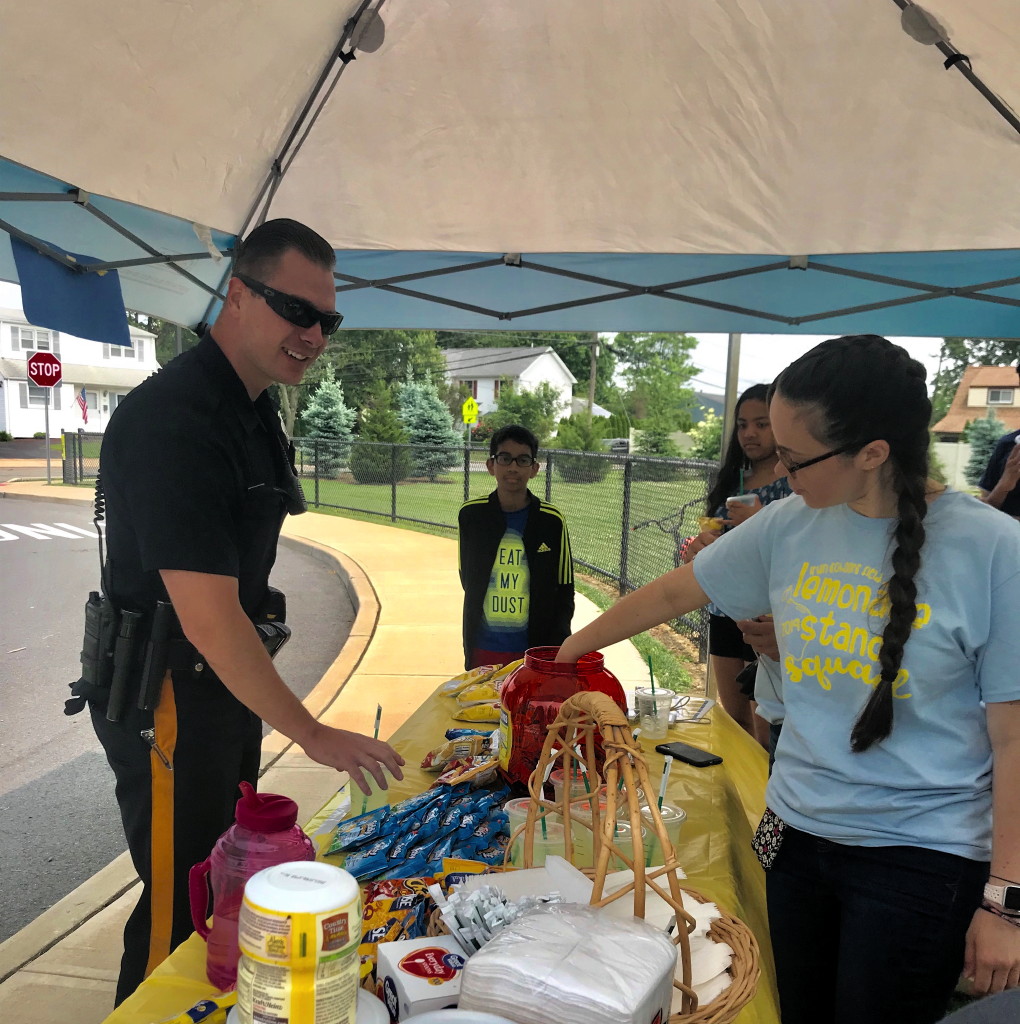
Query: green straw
651	674
375	736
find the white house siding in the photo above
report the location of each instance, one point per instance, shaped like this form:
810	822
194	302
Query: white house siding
549	369
106	373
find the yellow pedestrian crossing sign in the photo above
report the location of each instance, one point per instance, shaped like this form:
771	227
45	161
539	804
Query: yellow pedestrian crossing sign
469	411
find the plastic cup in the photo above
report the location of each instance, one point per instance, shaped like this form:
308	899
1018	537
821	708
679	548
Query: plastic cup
653	708
517	812
581	830
623	840
549	843
577	784
673	818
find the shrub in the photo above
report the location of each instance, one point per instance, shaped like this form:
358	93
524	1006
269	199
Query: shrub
38	435
4	436
578	435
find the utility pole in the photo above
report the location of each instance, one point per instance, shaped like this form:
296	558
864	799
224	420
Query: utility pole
592	363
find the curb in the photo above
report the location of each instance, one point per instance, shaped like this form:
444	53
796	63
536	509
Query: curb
116	878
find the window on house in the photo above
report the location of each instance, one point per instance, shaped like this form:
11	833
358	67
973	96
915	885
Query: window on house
92	400
33	397
119	351
1000	396
495	389
30	339
473	385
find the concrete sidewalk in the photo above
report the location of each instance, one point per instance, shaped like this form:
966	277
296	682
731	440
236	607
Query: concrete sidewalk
404	642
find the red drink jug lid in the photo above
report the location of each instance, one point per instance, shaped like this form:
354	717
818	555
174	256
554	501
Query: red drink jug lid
265	812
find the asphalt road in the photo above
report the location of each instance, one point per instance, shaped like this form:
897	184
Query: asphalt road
59	822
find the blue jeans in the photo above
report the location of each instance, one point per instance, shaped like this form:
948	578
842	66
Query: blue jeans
869	935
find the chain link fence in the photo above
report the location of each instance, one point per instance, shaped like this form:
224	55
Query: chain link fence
627	514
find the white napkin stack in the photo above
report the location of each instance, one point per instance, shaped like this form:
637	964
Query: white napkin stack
570	964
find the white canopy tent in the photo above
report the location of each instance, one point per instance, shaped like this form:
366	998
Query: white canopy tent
711	165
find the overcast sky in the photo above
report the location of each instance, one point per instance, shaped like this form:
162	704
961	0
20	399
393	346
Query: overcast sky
762	356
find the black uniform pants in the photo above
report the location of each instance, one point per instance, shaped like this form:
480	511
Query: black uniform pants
172	818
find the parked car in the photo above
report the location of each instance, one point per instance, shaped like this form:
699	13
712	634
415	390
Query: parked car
616	445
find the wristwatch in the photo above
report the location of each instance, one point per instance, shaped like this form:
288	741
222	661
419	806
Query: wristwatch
1005	896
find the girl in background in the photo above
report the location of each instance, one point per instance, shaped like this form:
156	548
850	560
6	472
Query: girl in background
749	467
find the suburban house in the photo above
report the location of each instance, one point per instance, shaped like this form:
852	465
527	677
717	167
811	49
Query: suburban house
982	388
106	372
484	370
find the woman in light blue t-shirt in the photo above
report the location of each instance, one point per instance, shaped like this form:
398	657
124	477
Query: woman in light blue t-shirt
892	835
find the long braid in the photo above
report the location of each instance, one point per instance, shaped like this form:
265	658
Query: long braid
833	377
875	720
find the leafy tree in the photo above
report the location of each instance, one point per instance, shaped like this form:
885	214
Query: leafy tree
429	427
363	358
654	440
706	438
382	457
656	367
328	418
982	436
576	434
957	354
166	335
534	408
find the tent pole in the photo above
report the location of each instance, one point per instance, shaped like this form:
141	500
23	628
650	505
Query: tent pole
730	410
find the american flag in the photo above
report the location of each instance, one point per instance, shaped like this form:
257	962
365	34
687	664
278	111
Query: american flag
83	404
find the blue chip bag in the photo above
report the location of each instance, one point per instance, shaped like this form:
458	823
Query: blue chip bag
459	734
369	861
414	803
360	831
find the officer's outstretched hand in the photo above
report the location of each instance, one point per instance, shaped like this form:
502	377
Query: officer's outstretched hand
353	753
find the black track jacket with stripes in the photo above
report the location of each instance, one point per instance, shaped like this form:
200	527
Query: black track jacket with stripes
547	546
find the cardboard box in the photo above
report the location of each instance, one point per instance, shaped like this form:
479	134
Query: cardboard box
418	975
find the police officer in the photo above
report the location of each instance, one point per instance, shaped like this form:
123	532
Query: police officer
198	477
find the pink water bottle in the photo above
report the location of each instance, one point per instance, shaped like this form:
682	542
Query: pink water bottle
265	833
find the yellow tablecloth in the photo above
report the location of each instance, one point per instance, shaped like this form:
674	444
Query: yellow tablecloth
723	805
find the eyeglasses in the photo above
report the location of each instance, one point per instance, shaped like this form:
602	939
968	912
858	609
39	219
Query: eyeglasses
505	458
294	310
793	468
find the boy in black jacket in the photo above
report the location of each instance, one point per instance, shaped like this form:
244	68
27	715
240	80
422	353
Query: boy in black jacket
515	563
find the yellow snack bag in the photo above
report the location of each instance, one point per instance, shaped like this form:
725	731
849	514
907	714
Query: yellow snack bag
478	693
478	713
473	675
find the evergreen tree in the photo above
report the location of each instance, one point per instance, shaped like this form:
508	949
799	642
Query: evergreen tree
982	436
329	422
382	456
429	428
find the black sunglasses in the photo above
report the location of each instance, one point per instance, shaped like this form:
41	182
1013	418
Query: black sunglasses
793	468
294	310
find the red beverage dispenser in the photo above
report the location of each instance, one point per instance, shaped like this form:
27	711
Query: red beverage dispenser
531	699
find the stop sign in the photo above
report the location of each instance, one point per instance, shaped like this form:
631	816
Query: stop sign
44	369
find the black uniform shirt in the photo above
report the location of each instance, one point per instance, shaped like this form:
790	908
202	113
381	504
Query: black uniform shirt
196	477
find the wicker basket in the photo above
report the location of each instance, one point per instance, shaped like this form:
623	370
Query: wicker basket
571	739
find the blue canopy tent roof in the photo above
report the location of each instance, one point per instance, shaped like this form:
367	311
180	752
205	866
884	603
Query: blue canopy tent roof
766	201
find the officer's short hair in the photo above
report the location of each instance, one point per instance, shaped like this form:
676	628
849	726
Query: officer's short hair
513	432
258	254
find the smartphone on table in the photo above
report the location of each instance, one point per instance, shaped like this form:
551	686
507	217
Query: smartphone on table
688	754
